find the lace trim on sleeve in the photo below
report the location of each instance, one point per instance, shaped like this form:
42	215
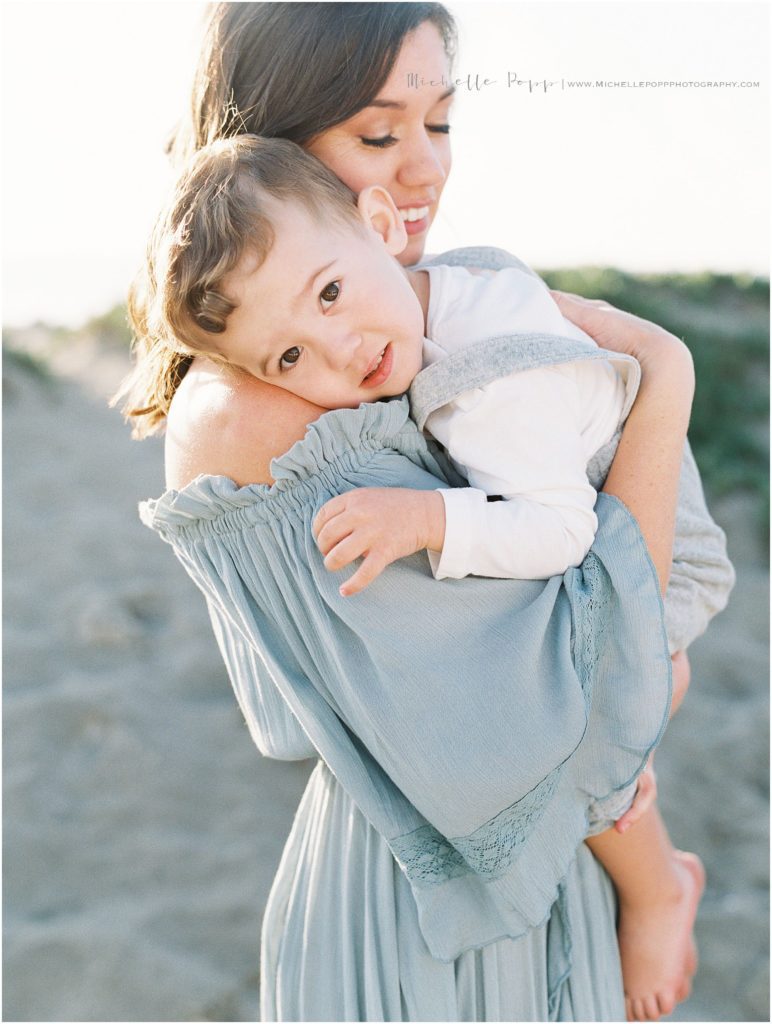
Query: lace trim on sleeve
428	858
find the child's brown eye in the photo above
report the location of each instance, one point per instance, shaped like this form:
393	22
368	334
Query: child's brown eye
290	357
330	292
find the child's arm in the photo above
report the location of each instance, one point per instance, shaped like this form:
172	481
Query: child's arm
519	438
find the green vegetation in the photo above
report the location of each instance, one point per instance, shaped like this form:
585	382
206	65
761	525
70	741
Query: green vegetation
29	363
724	320
111	327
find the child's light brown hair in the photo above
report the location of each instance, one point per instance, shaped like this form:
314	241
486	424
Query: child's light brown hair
218	211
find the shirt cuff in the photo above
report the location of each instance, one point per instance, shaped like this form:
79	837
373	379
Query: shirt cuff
463	507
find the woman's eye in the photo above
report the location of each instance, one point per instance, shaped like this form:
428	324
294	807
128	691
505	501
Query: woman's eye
381	143
290	357
329	294
443	129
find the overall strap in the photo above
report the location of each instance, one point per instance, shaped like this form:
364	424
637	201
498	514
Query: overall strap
492	358
487	257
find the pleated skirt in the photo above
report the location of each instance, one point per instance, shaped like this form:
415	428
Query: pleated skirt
341	939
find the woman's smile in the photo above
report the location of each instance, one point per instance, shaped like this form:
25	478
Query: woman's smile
416	218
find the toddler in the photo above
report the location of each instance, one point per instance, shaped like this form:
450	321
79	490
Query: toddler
265	261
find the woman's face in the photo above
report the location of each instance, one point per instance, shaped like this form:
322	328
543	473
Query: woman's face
400	141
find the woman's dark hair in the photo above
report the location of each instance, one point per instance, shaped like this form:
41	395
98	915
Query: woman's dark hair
293	70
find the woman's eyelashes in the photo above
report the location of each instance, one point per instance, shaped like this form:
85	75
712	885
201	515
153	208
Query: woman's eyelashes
381	143
388	140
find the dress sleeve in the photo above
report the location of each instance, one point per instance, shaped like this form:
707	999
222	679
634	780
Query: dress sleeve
518	437
275	730
702	576
477	724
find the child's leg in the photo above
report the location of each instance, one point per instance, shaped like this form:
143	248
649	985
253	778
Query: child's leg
659	889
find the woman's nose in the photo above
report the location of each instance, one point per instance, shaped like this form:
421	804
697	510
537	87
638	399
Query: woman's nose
422	165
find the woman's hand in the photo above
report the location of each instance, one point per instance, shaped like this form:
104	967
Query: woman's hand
614	329
646	468
380	523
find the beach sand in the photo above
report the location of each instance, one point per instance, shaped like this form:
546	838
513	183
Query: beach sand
143	828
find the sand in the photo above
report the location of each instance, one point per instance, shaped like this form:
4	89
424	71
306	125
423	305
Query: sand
143	828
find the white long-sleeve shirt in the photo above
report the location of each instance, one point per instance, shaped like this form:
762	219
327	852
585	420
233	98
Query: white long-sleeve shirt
527	436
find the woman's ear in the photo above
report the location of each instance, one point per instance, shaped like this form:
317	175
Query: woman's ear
379	213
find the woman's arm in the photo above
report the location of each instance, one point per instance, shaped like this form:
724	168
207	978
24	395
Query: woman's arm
702	576
223	422
646	468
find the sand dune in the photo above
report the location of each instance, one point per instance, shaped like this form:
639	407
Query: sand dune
142	828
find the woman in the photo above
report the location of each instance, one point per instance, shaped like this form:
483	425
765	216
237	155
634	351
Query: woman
221	424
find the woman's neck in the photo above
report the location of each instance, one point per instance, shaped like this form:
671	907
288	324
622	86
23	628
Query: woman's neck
419	281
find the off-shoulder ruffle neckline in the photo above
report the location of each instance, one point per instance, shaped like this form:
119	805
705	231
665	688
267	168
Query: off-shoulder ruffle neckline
334	434
340	431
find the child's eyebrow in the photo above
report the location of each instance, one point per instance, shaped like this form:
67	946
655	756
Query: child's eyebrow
312	278
306	288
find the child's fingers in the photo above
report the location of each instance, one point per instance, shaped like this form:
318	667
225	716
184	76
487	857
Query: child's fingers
370	569
346	551
333	533
328	511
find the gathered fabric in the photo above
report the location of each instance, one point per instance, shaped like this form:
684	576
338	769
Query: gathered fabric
341	940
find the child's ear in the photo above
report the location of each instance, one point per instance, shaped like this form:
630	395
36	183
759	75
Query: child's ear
379	212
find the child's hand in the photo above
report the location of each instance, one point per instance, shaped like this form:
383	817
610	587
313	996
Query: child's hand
645	796
381	523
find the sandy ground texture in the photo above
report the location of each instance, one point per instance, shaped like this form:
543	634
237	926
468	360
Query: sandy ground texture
142	827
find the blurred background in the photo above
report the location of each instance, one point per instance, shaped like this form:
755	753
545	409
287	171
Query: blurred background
142	828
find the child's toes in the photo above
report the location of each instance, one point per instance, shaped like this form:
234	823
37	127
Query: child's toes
640	1011
651	1009
666	1002
685	990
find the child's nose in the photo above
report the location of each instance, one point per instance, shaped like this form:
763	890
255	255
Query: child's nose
341	350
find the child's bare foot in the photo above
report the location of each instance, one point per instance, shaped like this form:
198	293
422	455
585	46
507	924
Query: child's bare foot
656	944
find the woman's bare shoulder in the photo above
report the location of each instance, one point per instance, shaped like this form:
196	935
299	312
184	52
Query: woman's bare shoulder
222	422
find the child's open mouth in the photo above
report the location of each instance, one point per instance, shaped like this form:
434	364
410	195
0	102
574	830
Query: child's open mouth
381	369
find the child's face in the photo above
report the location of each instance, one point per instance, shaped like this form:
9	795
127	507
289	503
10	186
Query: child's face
329	315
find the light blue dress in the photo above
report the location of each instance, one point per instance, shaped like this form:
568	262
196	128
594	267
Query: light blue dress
470	733
341	938
435	869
